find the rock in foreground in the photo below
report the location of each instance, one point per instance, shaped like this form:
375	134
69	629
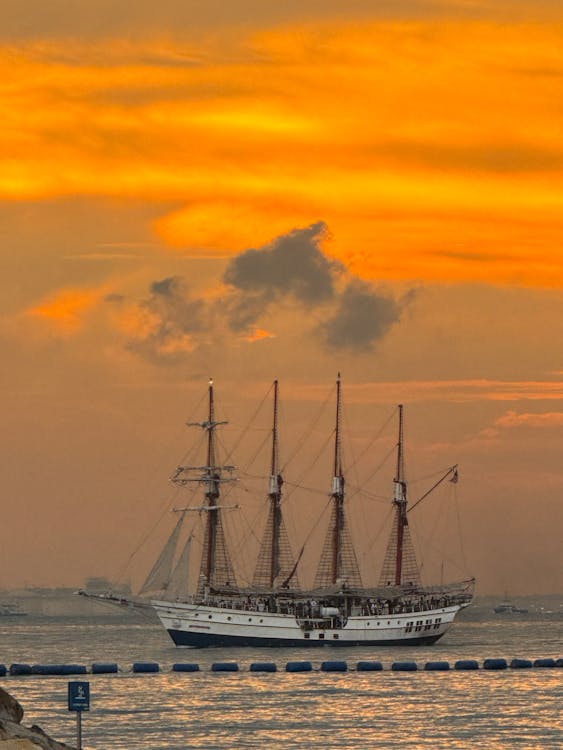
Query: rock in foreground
14	736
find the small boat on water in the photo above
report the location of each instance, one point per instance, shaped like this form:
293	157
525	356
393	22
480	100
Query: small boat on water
10	609
507	608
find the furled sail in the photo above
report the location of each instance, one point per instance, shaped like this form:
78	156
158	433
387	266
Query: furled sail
276	565
338	562
399	565
409	571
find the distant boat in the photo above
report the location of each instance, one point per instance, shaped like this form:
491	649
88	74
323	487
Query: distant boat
506	608
9	609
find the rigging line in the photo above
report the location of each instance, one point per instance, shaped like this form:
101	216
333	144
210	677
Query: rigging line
375	438
141	544
315	526
459	531
249	423
164	508
380	531
299	443
246	475
445	557
381	464
257	452
434	474
368	495
242	545
452	470
314	490
310	467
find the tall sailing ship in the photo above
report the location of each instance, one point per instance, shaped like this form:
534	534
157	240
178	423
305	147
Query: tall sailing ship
275	610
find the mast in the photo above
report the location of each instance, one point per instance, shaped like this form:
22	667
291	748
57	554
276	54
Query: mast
337	490
212	492
216	568
338	559
275	557
400	501
276	482
399	565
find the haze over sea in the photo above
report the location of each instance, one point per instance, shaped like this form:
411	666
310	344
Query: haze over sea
174	711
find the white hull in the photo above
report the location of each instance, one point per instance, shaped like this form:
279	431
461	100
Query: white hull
199	625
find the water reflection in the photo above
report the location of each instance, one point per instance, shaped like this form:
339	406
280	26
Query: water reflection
280	711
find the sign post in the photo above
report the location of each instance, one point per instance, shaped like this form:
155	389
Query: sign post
79	701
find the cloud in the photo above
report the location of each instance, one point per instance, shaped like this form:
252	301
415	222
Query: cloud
67	308
166	324
293	264
363	316
546	419
292	274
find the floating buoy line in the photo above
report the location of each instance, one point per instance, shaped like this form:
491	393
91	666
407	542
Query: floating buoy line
107	668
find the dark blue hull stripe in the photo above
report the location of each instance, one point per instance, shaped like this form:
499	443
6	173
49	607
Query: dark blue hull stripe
203	640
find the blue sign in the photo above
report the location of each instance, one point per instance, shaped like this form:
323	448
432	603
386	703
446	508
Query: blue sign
78	696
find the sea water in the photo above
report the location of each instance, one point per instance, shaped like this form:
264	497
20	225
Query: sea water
172	711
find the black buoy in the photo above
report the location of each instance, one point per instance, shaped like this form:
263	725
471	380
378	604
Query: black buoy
334	666
404	666
520	664
436	666
466	664
20	669
224	666
369	666
495	664
185	667
105	668
545	663
146	666
298	666
263	666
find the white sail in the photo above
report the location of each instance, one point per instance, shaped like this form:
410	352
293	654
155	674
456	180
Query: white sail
178	588
158	579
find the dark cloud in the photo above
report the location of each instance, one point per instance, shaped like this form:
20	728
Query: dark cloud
292	270
363	316
173	318
243	310
292	264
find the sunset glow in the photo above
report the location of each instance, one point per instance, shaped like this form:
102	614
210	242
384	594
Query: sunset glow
253	191
440	157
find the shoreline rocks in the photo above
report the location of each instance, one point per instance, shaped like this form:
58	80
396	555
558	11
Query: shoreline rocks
15	736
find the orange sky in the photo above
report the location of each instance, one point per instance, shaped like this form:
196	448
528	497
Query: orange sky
430	146
413	153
